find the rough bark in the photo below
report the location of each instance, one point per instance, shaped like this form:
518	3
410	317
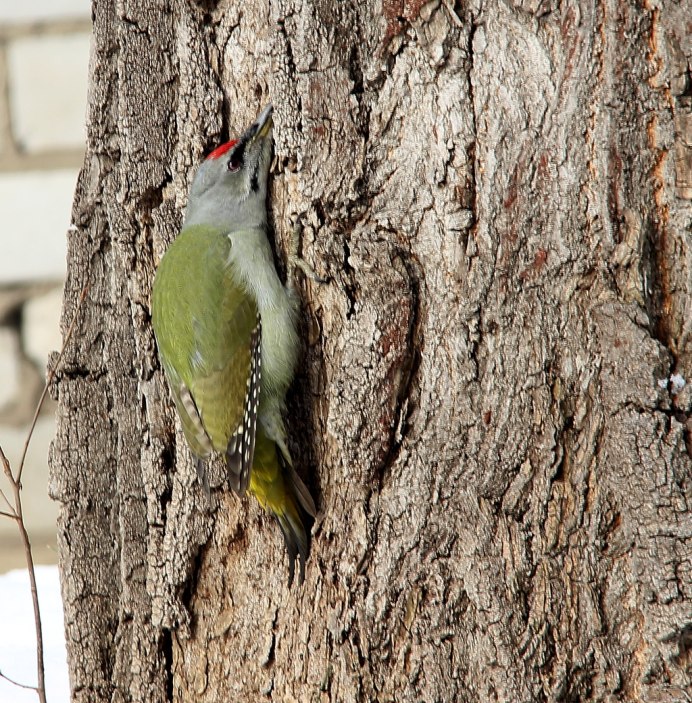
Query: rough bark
499	196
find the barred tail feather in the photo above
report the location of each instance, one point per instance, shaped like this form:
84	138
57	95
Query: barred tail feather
280	490
295	539
301	492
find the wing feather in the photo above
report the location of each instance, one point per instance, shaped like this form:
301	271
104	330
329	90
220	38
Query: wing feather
241	445
209	338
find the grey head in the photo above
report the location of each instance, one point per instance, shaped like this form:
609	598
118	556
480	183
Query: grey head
230	187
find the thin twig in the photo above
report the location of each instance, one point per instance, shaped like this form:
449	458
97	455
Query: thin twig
19	517
51	376
4	497
16	484
16	683
34	594
9	515
8	472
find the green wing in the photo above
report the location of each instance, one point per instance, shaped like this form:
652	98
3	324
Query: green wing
209	337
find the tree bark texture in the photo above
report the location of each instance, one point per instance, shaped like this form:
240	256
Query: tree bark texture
499	195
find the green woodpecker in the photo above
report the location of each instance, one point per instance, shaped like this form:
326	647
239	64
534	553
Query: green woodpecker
225	327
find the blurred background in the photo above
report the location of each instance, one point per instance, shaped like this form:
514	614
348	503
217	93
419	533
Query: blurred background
44	58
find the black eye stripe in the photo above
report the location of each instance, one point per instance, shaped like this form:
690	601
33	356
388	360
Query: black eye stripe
235	160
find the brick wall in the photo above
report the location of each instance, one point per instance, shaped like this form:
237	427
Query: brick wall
44	57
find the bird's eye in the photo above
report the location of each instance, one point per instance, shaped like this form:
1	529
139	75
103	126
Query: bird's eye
234	163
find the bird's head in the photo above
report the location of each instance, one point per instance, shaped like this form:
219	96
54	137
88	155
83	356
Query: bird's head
230	186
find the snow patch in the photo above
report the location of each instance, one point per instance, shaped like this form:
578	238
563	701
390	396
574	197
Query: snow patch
17	636
675	383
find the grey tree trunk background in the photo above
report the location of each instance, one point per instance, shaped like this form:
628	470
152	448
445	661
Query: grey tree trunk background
499	194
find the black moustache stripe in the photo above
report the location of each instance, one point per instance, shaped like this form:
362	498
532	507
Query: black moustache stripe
239	150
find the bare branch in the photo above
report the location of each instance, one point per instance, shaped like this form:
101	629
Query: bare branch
16	683
34	593
5	498
17	514
8	472
5	464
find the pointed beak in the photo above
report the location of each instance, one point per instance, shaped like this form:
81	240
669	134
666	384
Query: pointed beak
263	124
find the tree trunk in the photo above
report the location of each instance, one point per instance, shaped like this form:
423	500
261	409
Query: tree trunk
499	196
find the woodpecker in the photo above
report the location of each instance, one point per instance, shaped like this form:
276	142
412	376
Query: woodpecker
225	327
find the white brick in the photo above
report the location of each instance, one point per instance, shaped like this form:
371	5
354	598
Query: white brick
40	511
41	327
35	212
9	366
48	89
15	11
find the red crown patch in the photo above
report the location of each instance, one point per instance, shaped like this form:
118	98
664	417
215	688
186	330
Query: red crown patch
221	150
